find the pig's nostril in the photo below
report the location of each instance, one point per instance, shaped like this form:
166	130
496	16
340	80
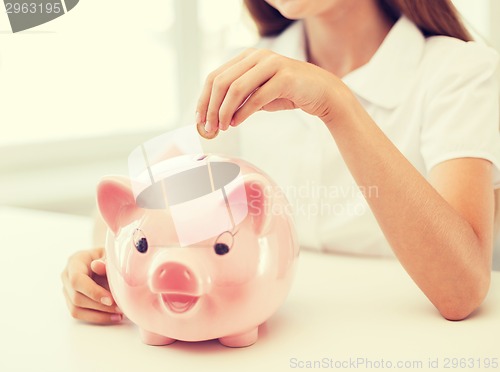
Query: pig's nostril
174	278
163	273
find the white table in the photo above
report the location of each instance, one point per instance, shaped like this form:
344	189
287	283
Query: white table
340	309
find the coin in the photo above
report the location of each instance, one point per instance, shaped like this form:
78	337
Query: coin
208	135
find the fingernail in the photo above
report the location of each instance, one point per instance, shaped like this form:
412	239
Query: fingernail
198	117
106	301
116	318
208	126
222	127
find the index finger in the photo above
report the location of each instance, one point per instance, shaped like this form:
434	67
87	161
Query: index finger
201	107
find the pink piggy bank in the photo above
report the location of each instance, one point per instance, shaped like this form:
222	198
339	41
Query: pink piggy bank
206	252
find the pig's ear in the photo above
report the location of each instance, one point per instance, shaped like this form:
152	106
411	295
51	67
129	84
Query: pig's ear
259	190
116	202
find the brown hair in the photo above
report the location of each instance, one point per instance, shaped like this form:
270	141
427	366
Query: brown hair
432	17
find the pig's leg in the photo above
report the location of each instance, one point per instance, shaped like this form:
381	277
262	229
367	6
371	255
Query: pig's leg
240	340
154	339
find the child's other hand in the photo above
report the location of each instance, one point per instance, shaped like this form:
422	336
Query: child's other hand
86	289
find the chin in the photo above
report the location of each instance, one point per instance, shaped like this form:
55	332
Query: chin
300	9
293	9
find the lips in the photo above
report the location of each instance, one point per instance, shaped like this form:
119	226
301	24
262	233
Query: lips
179	303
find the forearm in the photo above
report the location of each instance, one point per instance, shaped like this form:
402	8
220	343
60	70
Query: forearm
436	245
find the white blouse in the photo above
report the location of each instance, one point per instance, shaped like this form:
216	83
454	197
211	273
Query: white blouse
435	98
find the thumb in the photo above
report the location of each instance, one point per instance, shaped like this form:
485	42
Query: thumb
98	267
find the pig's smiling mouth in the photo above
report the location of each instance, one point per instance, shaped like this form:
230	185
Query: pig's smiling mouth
179	303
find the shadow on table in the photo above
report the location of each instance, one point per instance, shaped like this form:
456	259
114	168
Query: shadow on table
210	346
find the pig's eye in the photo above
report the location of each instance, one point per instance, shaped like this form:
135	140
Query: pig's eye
223	243
140	241
221	248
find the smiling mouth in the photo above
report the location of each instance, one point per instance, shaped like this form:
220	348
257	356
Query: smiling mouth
179	303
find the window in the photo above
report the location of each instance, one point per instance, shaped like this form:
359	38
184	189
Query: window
229	31
77	94
110	67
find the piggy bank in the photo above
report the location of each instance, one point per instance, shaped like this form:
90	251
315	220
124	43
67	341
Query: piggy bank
206	251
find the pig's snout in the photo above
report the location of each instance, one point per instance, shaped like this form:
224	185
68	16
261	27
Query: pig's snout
178	287
173	277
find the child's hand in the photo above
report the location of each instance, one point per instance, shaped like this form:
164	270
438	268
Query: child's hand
260	79
86	288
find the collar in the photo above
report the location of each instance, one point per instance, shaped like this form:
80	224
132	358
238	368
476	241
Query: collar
389	73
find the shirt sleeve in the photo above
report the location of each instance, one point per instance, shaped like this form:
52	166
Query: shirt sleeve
461	116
